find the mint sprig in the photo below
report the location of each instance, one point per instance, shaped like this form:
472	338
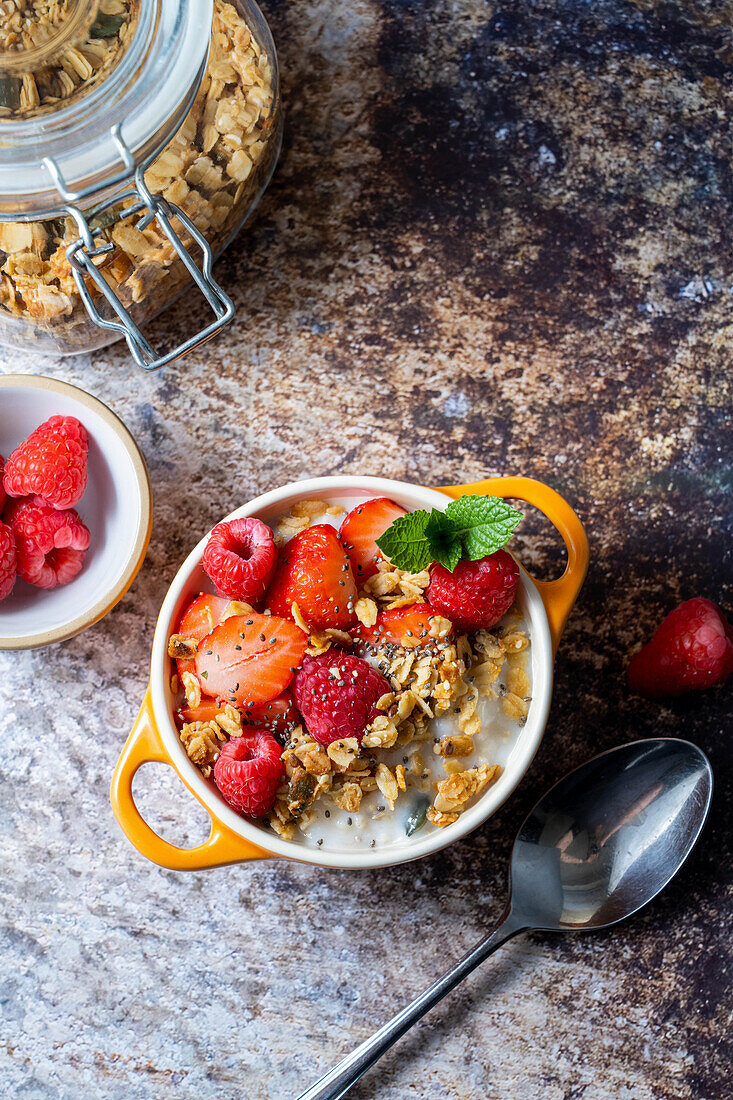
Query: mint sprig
443	541
470	528
405	542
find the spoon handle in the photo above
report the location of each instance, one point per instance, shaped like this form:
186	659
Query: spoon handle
347	1072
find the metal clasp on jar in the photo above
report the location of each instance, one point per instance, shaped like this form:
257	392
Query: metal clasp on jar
82	253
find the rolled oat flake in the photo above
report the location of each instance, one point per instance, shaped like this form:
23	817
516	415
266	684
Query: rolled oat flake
130	131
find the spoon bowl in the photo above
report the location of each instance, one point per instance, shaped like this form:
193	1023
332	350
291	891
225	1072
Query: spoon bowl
596	848
609	836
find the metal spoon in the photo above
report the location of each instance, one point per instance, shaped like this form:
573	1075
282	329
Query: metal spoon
600	845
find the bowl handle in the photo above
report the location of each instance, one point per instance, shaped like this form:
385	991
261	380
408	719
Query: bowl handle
559	595
144	746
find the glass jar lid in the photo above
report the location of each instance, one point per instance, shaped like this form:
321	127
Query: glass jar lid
90	90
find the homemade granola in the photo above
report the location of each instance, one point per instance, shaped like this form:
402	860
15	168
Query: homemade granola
72	67
213	169
437	734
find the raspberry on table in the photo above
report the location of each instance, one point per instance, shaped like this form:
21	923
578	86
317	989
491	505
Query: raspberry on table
248	772
477	593
336	693
240	558
8	561
692	648
2	490
50	544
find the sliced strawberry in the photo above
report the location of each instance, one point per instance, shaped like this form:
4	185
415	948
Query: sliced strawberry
278	716
315	573
405	626
250	659
198	620
202	615
206	711
361	529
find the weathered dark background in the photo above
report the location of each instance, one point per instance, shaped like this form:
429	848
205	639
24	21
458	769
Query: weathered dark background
499	241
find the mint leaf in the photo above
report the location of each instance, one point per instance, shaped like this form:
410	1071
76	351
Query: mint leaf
470	528
443	539
405	542
483	524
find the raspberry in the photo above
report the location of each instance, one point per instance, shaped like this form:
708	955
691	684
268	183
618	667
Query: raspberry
51	544
240	558
8	561
692	648
52	463
336	694
477	593
248	772
2	490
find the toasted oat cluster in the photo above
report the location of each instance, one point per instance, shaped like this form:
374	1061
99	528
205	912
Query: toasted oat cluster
209	169
433	676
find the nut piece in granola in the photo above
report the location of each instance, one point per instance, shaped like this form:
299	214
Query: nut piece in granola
457	790
182	648
202	742
348	797
454	745
192	689
301	791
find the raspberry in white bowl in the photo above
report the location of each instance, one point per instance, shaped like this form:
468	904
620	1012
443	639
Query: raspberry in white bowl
326	691
76	505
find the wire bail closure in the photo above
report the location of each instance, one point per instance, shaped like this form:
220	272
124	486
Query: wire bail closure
82	253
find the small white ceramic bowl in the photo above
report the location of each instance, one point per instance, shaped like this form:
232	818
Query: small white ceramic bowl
116	507
234	838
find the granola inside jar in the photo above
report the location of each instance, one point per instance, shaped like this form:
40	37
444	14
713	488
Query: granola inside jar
54	51
213	168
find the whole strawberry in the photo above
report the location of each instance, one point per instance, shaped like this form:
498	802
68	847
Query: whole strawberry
692	648
314	571
52	463
336	694
240	558
360	530
8	561
477	593
248	772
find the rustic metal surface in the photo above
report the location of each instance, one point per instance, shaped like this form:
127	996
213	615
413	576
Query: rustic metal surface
498	241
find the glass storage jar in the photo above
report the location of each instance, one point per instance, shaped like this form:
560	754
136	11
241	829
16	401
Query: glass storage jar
130	131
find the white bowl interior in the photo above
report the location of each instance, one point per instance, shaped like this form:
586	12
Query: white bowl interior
111	508
516	758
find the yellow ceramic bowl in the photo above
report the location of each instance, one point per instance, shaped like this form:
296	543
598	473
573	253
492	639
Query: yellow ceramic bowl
233	838
117	507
